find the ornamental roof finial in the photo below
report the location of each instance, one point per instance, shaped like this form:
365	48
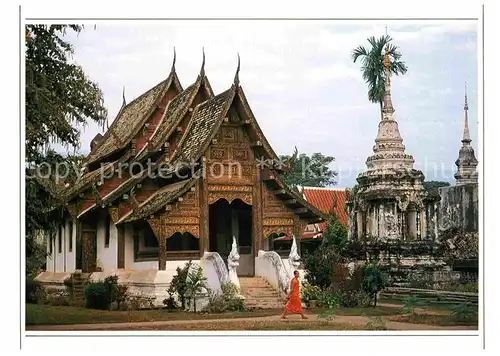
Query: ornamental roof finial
123	96
202	71
173	62
237	75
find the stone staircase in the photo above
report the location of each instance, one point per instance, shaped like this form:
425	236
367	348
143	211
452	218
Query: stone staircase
259	294
78	283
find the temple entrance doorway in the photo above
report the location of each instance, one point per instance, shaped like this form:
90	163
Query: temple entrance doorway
232	219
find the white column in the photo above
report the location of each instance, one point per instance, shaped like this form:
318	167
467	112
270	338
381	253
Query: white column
381	220
359	217
423	224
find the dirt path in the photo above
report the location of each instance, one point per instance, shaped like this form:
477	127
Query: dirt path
356	321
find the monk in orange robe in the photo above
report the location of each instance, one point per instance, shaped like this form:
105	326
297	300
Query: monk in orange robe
294	304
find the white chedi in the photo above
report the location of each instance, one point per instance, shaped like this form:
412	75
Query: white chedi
233	261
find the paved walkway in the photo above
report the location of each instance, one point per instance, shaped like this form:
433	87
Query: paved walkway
159	325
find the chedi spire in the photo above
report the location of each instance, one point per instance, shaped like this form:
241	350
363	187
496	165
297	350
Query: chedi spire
467	161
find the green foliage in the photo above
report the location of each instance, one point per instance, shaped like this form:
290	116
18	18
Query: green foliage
319	266
355	299
372	65
33	291
373	281
464	312
335	235
226	301
59	96
100	295
310	292
329	300
170	302
97	296
311	171
178	284
410	303
196	283
433	185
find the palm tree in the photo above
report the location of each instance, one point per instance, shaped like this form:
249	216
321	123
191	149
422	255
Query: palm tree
372	62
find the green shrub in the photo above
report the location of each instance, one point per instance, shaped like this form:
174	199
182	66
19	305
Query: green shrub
319	266
195	284
178	284
227	300
170	302
464	312
373	281
33	291
97	296
355	299
310	292
329	300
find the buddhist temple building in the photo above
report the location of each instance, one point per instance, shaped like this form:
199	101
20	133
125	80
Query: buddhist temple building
179	172
466	162
390	201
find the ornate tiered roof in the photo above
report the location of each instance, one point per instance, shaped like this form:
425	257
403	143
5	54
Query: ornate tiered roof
207	114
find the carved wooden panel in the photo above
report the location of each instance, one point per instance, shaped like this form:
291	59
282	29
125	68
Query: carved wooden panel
277	221
156	224
228	134
273	206
114	213
174	220
189	206
229	188
240	154
218	153
72	209
230	196
172	229
268	230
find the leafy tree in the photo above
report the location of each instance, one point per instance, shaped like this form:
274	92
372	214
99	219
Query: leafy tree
311	171
372	66
59	99
59	95
433	185
373	281
335	235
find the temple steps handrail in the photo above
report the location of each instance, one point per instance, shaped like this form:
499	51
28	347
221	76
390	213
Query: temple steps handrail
270	266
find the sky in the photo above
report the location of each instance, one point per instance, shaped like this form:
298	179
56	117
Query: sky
301	83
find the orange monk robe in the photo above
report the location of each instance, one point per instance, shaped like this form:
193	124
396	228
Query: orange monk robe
294	304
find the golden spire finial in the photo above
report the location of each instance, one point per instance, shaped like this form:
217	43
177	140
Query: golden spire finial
387	61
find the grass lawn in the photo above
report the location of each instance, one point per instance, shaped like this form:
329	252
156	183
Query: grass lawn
439	320
38	314
421	303
247	325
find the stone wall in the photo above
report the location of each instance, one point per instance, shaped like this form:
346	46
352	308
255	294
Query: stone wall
459	207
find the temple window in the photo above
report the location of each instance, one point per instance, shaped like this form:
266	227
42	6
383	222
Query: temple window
181	246
59	239
107	223
146	247
51	244
70	244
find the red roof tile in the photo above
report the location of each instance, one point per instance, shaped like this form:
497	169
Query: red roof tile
325	198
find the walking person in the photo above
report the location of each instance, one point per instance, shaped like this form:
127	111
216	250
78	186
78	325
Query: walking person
294	304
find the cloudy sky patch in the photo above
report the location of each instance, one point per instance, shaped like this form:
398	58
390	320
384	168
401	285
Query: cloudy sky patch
300	81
